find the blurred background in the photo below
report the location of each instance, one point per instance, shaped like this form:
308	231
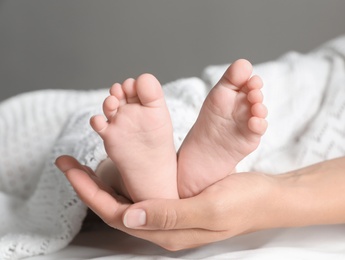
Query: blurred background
85	44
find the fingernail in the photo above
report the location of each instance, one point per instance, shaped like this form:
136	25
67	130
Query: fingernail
62	167
134	218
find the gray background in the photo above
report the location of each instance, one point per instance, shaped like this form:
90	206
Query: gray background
84	44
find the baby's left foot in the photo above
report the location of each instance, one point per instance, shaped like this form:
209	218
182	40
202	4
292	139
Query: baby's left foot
138	138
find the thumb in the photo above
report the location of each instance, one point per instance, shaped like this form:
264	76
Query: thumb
163	214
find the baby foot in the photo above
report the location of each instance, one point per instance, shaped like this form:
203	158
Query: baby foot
229	127
138	138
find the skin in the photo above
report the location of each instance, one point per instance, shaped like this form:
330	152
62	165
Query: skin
240	203
138	134
138	137
229	127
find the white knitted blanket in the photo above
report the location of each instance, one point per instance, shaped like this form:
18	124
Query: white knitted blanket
40	213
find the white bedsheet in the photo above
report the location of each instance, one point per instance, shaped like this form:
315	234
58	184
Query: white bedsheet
102	243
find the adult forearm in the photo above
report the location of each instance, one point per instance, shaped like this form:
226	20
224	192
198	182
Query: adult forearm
310	196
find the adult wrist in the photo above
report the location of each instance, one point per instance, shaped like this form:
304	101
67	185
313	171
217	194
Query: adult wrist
281	203
310	196
270	207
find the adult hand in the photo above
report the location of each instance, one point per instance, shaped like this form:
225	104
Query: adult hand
240	203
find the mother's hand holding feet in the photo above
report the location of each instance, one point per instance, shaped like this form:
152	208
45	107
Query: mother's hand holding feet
235	205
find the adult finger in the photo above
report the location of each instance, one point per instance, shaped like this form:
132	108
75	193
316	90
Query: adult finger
208	210
96	197
170	214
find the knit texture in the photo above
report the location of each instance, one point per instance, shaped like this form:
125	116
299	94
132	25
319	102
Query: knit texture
40	212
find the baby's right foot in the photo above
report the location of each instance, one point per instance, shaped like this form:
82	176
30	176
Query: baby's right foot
138	138
229	127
